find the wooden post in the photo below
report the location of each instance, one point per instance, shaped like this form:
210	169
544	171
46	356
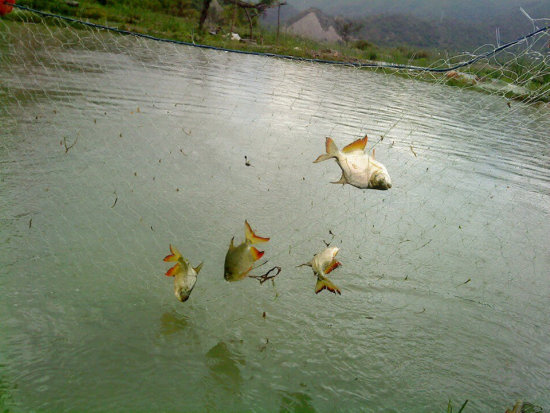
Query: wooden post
278	21
233	18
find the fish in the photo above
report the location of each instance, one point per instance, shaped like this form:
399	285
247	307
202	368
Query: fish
322	264
240	259
359	169
185	276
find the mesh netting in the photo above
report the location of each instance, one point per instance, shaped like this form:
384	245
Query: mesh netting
115	146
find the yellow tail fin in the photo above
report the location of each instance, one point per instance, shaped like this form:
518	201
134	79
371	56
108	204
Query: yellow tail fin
174	256
325	283
331	149
174	270
250	236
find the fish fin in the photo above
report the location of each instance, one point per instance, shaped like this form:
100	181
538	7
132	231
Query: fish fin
331	149
305	264
250	236
358	145
323	157
231	245
174	256
174	270
373	153
198	268
256	254
342	180
332	266
325	283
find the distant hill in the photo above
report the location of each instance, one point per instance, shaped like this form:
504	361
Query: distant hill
313	24
408	22
472	11
288	11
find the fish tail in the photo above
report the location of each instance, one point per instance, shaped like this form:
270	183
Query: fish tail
332	266
174	270
332	151
325	283
175	256
256	254
250	236
198	268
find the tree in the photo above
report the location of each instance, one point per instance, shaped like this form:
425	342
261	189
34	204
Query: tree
347	28
204	13
251	10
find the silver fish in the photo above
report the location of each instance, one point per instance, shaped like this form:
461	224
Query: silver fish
322	264
358	168
185	276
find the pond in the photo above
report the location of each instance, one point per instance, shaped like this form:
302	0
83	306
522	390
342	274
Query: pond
113	148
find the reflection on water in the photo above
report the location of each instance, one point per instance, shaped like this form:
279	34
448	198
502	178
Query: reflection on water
296	402
172	322
444	283
224	366
225	376
6	398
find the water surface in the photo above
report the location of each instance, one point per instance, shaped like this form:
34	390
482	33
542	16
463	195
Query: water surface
444	281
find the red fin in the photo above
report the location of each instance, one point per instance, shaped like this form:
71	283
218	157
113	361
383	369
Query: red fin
256	254
330	146
250	236
358	145
326	284
174	270
332	151
332	266
174	256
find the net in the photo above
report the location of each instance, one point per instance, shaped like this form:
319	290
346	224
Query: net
115	146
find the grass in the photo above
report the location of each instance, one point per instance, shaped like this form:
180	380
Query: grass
178	20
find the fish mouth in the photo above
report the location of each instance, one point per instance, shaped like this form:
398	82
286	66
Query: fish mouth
381	182
381	186
183	297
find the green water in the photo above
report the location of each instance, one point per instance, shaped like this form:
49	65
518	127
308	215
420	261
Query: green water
445	287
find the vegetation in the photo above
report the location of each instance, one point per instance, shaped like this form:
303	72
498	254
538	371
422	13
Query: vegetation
179	20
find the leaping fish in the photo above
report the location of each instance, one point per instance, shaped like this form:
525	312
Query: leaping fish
322	264
358	168
185	276
240	259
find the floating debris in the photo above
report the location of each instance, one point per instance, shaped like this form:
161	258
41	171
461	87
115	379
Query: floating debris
264	346
68	147
116	199
263	278
465	282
